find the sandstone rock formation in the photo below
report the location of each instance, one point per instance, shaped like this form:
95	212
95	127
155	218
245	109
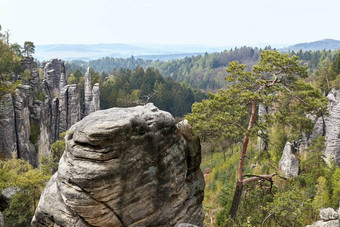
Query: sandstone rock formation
92	95
126	167
29	64
329	126
8	137
289	164
15	125
329	218
23	100
61	108
27	123
18	111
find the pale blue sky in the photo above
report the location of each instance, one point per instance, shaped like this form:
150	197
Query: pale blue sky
209	22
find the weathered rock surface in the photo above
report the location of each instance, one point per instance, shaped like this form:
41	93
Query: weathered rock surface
29	64
92	95
289	164
2	222
23	100
18	112
54	75
61	108
329	218
126	167
8	138
22	113
329	126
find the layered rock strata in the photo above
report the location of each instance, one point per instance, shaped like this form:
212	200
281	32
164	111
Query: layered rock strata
126	167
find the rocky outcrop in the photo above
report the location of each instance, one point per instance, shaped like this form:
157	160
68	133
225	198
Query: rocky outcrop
19	112
15	125
126	167
27	123
29	64
329	218
54	76
23	100
8	137
329	126
61	108
92	95
289	164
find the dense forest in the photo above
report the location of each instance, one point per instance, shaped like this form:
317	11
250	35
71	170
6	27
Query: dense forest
205	72
125	87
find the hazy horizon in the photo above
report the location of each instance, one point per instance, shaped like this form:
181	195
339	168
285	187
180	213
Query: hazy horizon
215	23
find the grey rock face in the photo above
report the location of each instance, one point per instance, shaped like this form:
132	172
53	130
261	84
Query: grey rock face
92	95
2	222
328	214
23	99
55	76
329	218
88	93
289	164
95	97
329	126
61	108
73	105
29	64
18	112
8	137
126	167
332	125
8	193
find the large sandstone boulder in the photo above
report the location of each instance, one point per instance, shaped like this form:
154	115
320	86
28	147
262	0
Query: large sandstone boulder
289	164
329	218
126	167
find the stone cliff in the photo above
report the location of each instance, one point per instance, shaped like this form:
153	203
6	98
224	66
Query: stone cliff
29	126
18	111
126	167
329	126
92	101
61	107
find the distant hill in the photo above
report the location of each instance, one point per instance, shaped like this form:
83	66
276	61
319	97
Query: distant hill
325	44
88	52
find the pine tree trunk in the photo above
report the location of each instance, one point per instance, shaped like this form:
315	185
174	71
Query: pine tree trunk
240	177
236	200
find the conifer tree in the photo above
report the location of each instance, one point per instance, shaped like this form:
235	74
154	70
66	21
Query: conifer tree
231	113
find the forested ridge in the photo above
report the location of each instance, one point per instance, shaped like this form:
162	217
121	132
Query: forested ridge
205	72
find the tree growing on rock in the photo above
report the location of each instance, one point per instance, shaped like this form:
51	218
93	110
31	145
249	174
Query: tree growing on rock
29	48
232	113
